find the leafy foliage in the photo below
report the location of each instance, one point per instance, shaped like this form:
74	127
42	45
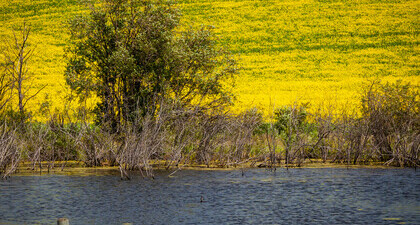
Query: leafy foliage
290	118
129	54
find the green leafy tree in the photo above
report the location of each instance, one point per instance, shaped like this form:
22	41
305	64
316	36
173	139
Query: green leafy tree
293	127
134	55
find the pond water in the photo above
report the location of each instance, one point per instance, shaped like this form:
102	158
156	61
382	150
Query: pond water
294	196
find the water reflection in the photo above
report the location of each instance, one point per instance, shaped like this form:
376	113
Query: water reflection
296	196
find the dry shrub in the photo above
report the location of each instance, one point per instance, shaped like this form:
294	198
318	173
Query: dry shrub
391	114
9	153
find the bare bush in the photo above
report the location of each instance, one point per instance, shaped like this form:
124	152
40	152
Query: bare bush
9	153
325	126
234	140
241	133
32	143
211	129
392	118
93	144
182	136
387	129
141	143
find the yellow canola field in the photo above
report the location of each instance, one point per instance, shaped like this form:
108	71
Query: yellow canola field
316	51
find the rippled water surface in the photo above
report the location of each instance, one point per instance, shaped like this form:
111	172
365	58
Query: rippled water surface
296	196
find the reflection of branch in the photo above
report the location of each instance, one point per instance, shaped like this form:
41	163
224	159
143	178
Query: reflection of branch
179	168
24	104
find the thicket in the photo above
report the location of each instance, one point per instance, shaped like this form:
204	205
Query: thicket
386	130
164	99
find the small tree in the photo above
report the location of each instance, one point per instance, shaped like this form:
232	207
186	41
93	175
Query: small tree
131	55
292	125
16	71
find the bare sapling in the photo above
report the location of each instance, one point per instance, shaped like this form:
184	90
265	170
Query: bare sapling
17	56
9	153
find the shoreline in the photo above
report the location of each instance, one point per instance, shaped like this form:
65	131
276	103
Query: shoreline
78	169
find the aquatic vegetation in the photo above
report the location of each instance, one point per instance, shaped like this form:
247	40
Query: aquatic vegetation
309	51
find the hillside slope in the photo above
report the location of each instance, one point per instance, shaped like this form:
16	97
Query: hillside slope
317	51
